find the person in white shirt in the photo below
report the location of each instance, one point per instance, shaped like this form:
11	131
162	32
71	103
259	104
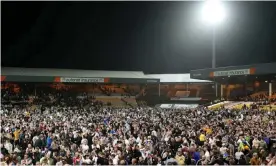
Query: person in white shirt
95	159
255	143
239	140
212	141
223	149
206	154
35	139
238	154
8	146
59	163
115	160
84	148
138	140
84	141
154	133
115	141
86	160
126	142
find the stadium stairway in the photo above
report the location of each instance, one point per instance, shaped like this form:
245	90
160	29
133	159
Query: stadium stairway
130	101
128	104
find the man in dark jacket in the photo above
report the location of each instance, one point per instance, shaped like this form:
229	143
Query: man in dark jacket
136	152
273	149
4	151
39	143
101	160
242	161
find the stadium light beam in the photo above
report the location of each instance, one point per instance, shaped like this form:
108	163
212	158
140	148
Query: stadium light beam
213	12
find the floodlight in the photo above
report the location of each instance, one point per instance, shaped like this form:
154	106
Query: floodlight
213	12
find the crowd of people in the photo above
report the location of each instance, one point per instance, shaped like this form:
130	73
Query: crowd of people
66	134
261	97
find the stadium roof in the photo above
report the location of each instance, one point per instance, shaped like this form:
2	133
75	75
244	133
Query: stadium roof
40	72
71	73
236	71
175	78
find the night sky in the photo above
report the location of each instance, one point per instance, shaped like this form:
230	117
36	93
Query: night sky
154	37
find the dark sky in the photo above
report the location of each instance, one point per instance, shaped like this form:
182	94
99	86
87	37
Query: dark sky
154	37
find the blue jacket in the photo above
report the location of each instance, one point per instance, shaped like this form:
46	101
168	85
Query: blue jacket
266	139
112	132
196	156
49	142
106	121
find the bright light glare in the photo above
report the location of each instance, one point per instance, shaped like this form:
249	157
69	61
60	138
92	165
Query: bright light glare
213	12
